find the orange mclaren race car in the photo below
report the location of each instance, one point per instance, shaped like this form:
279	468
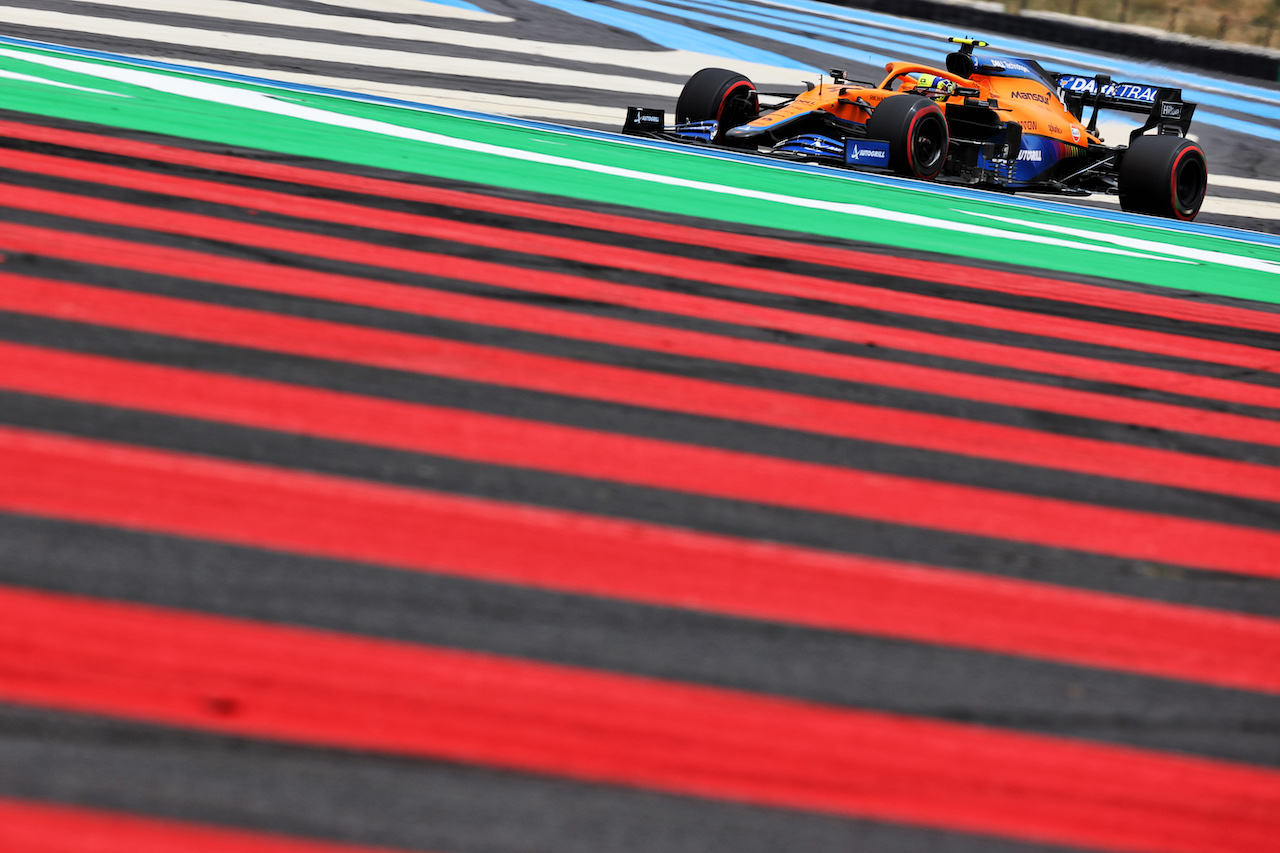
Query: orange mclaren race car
986	120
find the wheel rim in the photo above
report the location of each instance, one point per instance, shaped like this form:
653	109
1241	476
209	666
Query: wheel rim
735	107
926	143
1189	182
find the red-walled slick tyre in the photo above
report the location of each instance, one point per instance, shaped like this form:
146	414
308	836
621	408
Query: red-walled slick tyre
1163	176
726	96
916	131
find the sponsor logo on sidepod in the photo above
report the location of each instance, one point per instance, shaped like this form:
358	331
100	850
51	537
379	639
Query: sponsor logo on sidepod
1030	96
1075	132
1030	155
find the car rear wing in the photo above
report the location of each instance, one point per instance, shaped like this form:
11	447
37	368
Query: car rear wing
1163	107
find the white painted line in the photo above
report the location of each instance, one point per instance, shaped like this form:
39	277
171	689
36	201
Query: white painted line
678	63
451	98
406	7
426	62
1206	256
1252	208
235	10
1252	184
27	78
261	102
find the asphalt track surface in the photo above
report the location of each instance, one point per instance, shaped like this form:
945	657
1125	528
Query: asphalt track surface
349	509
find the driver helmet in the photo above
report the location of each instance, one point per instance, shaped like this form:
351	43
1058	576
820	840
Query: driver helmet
933	86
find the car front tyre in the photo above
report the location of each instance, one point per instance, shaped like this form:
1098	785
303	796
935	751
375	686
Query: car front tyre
716	93
916	131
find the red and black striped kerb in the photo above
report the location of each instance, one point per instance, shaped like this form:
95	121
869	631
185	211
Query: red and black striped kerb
345	510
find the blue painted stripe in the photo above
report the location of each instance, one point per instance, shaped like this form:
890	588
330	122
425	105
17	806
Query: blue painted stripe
1238	125
460	4
1086	62
933	48
669	34
1115	67
771	33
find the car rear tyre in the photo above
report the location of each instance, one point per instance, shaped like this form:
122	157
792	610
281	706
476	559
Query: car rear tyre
726	96
916	131
1163	176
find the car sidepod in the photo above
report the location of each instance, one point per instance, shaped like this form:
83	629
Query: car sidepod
1039	160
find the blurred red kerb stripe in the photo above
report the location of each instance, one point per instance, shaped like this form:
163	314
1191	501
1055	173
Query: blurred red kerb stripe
31	827
311	687
955	274
260	506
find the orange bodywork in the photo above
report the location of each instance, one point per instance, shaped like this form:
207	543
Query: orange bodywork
1028	102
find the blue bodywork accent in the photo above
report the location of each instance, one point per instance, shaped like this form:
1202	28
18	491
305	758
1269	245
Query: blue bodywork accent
995	65
813	145
745	132
866	152
1138	94
1038	155
702	131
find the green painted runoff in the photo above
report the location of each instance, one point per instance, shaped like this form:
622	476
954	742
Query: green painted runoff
622	171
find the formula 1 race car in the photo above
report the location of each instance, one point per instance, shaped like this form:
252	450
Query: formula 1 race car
992	121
